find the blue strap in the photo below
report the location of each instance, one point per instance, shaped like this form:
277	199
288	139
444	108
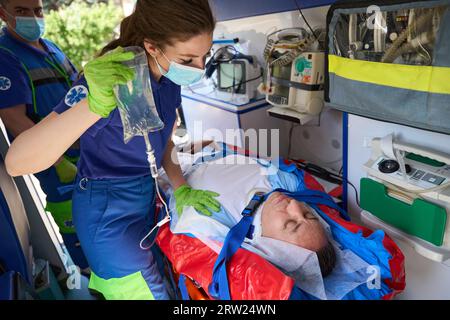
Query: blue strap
314	197
219	154
219	288
183	288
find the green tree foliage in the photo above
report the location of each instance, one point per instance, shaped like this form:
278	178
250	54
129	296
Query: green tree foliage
81	29
56	4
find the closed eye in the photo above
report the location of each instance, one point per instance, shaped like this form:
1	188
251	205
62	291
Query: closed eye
309	215
289	224
296	228
292	226
187	61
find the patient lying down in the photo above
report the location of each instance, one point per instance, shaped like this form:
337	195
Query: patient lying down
286	221
287	233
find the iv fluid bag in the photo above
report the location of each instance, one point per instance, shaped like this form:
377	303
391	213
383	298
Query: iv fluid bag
135	99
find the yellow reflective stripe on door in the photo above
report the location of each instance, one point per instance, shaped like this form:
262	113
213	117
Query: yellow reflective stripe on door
420	78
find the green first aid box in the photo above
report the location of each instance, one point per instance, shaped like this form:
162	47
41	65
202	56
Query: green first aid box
422	218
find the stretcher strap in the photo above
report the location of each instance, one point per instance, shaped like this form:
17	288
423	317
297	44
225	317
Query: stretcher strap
314	197
219	288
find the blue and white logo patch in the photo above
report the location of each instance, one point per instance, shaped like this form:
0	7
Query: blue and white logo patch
75	95
5	83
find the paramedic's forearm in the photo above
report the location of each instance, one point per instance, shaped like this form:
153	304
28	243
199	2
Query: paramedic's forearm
16	121
172	167
41	146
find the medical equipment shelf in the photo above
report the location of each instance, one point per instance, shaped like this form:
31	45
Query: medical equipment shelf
292	116
215	119
422	247
232	102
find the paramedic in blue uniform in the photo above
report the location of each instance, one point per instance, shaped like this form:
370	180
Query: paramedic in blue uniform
114	195
34	76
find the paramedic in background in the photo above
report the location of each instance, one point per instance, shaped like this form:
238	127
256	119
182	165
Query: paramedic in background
35	76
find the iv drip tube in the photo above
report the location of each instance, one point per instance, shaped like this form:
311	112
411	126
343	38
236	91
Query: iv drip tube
154	171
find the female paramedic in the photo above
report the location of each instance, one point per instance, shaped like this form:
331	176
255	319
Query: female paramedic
114	194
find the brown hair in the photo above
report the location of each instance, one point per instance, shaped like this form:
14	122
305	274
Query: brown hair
327	259
162	21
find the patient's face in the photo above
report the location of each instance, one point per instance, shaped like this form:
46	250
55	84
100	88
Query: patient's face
287	219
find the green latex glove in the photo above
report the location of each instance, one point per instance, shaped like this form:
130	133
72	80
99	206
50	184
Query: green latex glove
102	74
66	171
201	200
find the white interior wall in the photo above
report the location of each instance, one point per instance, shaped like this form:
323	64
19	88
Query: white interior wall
319	144
425	279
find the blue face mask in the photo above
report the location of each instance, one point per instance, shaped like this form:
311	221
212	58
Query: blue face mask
29	28
180	74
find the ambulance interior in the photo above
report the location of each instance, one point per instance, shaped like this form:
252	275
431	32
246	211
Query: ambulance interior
282	67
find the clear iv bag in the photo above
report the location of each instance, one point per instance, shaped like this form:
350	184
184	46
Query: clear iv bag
135	99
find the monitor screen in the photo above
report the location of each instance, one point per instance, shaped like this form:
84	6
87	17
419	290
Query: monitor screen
232	75
284	73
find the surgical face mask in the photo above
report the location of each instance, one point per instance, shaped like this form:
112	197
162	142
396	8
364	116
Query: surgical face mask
180	74
29	28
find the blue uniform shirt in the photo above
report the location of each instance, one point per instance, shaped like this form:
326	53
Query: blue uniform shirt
20	64
104	154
